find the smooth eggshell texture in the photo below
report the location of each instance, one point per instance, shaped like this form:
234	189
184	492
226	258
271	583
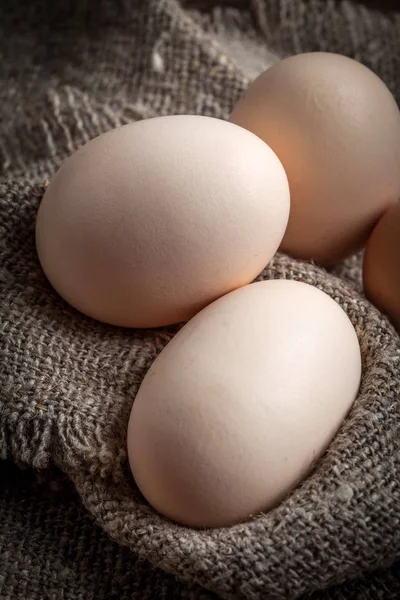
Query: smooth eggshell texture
245	397
381	270
336	128
145	225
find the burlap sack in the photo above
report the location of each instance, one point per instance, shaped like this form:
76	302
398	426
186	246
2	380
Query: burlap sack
67	383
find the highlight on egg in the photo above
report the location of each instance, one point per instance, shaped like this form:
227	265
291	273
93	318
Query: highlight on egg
336	128
148	223
241	403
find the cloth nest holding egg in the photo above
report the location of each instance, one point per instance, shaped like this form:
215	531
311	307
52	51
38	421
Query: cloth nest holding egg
67	383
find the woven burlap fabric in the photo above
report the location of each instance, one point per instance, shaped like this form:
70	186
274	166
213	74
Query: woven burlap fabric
51	549
67	383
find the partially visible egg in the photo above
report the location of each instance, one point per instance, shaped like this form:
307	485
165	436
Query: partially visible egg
381	271
336	128
145	225
235	410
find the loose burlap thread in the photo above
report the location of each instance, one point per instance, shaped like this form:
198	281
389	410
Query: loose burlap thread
67	383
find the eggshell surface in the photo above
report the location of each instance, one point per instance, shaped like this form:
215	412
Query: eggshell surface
145	225
245	397
336	128
381	269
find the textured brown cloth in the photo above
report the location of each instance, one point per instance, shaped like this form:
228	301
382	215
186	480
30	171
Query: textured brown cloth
51	549
67	383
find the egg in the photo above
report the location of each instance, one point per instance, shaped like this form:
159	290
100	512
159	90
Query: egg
235	410
336	128
381	269
148	223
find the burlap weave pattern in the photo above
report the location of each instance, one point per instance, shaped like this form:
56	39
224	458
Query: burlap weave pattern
67	383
